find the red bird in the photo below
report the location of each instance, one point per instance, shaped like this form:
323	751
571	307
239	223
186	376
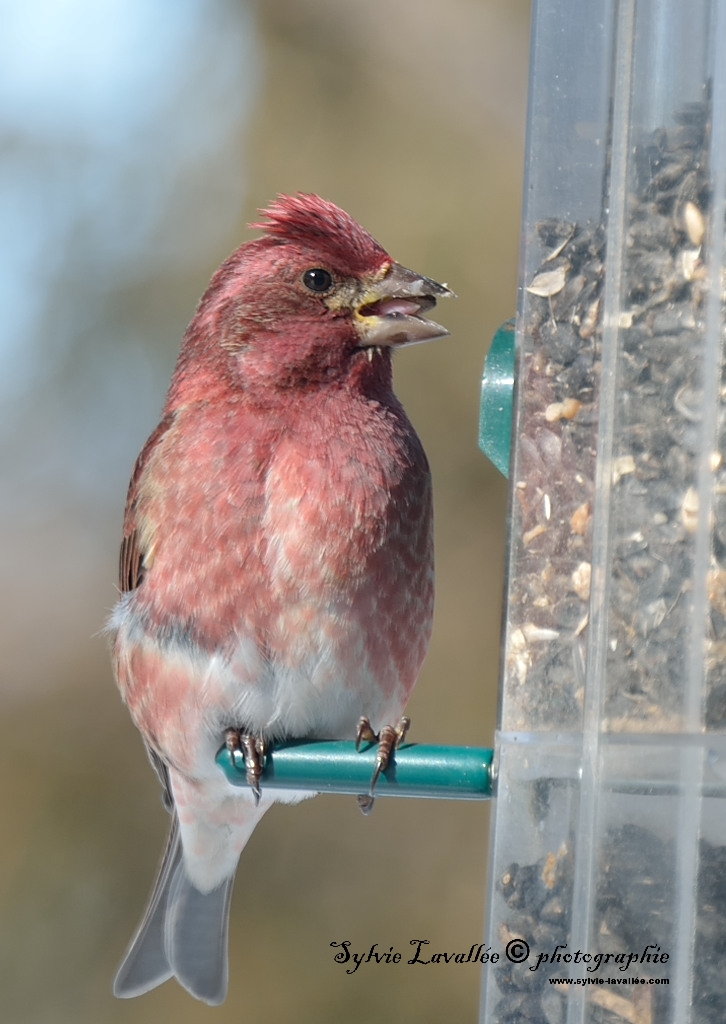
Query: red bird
277	556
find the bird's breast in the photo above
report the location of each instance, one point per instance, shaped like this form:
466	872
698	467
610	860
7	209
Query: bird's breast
291	583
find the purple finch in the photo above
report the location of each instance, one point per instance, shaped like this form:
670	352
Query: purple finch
277	556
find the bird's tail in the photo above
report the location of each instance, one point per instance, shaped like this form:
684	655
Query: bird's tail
183	934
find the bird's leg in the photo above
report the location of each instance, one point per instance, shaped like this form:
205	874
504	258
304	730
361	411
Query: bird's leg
253	749
389	740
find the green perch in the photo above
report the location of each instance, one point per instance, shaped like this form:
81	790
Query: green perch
417	770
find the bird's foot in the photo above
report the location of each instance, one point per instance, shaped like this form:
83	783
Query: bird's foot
253	749
389	740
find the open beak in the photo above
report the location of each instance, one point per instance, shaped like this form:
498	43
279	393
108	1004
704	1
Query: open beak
390	311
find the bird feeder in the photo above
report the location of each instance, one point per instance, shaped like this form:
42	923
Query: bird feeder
607	895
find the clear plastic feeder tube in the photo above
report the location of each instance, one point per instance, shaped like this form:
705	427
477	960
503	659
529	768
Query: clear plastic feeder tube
609	838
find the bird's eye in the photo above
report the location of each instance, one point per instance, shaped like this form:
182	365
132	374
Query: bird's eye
318	280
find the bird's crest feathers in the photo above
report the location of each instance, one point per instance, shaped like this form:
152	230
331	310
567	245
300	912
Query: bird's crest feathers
306	219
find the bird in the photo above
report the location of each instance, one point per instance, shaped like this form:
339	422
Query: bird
276	568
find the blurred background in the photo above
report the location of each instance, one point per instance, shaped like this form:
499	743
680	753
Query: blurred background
138	139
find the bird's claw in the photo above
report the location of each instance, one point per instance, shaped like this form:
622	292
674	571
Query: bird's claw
389	740
253	748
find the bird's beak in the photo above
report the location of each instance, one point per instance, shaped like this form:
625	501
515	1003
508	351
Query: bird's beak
389	311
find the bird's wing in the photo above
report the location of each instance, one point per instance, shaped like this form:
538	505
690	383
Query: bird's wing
131	559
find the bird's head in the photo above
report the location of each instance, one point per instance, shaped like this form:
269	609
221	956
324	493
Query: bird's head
315	299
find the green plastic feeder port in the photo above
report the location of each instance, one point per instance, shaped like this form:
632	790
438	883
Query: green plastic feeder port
497	392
